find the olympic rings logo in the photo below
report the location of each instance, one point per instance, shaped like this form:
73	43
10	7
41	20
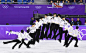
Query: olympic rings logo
38	7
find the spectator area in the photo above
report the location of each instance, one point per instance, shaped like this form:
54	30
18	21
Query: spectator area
75	19
65	0
41	1
20	1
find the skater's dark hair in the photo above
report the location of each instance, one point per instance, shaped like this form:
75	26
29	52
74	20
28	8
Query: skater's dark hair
41	17
37	20
33	24
46	15
54	13
77	27
59	15
22	31
67	20
50	14
28	31
71	24
62	17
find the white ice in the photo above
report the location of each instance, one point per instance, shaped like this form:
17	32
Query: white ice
44	46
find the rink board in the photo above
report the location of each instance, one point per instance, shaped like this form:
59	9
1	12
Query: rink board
4	28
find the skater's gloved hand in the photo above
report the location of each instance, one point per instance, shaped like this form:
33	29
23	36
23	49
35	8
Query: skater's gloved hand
61	25
75	35
44	23
66	28
20	38
57	23
69	32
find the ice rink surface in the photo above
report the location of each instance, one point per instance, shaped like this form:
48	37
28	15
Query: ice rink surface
44	46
